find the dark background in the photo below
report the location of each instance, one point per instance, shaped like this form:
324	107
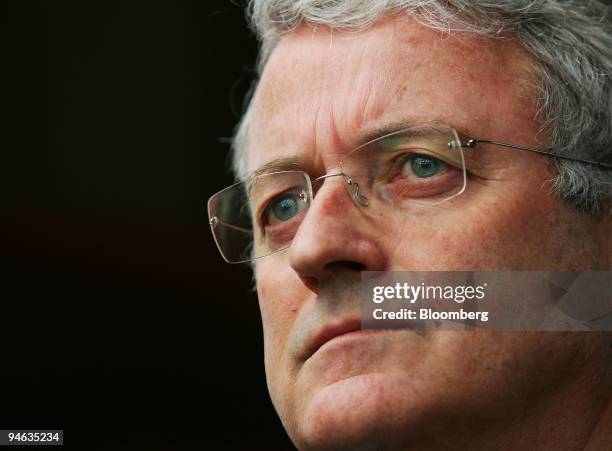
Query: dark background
120	322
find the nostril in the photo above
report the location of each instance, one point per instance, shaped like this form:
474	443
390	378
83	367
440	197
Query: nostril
312	283
354	266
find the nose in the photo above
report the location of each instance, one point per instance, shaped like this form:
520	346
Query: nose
335	235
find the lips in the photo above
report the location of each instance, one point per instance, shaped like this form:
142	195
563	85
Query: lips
329	332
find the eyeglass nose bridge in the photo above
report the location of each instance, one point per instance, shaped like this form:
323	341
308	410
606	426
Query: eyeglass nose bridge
351	185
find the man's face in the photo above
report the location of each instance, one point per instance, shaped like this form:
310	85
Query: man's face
320	94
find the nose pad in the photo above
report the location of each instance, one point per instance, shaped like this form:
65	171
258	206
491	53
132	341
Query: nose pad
353	189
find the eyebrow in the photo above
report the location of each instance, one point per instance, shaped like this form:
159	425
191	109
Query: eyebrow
395	127
383	131
293	164
277	165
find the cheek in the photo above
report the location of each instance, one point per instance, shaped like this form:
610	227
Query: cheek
277	287
517	237
524	229
525	234
280	297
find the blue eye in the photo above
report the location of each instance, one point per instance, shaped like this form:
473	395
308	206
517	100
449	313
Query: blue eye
424	167
283	208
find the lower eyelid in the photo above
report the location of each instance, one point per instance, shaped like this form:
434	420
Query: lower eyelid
287	225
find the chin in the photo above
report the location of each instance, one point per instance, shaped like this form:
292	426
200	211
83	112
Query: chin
363	412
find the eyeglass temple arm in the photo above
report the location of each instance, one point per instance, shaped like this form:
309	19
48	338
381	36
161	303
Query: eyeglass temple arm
471	143
214	222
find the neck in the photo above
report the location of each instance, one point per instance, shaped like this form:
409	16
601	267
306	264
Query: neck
601	436
577	416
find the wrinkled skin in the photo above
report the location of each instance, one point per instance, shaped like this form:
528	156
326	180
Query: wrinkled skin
320	93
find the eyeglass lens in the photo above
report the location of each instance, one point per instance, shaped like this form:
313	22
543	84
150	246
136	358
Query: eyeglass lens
411	172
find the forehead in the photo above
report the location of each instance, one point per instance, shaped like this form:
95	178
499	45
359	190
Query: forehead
323	90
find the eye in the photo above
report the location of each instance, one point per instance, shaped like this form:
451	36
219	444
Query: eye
422	166
283	208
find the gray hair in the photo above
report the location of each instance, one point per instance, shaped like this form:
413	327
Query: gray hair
571	41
